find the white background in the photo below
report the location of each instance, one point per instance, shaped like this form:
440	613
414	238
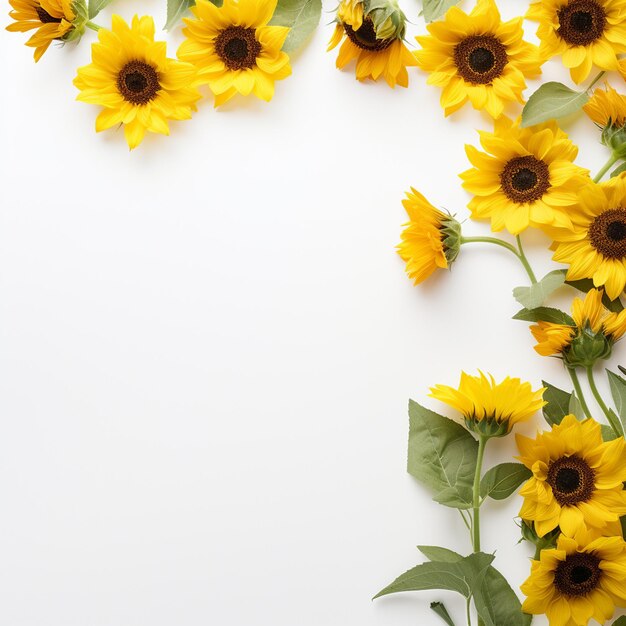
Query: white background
207	346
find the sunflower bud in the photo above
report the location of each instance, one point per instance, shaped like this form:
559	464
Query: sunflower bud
542	543
79	7
451	237
614	137
587	348
388	19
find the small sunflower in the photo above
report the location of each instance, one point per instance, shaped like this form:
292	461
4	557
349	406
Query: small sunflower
583	32
131	76
377	46
234	49
607	108
53	20
592	336
577	481
595	245
430	240
577	581
491	408
525	177
479	58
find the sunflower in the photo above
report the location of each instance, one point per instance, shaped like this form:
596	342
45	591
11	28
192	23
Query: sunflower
607	108
137	84
377	51
525	177
488	407
430	240
583	32
595	245
590	338
234	49
577	581
479	58
53	20
577	481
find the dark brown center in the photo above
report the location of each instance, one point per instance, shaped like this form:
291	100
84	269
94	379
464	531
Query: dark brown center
525	179
571	479
607	233
45	17
138	82
238	47
578	575
581	22
480	59
365	36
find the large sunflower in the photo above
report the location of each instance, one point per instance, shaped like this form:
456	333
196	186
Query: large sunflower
595	245
577	581
489	407
131	76
234	49
375	56
592	336
583	32
607	108
525	177
577	481
52	19
479	58
430	240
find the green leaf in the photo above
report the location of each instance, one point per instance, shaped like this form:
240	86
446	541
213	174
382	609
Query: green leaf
440	609
544	314
434	9
535	295
608	434
443	555
458	576
620	621
502	480
95	6
576	408
496	602
301	16
442	455
616	172
586	284
558	404
552	101
175	11
618	391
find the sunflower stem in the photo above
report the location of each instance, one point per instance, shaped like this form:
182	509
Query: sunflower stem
508	246
579	390
469	614
596	79
482	444
606	167
524	260
615	425
93	26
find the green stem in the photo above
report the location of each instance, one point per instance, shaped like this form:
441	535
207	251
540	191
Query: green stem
93	26
469	615
510	247
524	260
537	552
482	444
615	425
606	167
596	79
579	390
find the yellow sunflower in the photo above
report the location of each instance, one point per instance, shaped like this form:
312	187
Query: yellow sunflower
131	76
607	108
430	240
491	408
525	177
595	245
577	581
592	336
52	18
234	49
479	58
376	55
583	32
577	481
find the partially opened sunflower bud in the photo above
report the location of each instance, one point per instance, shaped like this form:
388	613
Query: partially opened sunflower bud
430	240
372	32
607	108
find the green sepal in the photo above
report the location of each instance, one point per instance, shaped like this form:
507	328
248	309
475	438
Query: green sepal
547	542
488	427
451	238
388	19
587	348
